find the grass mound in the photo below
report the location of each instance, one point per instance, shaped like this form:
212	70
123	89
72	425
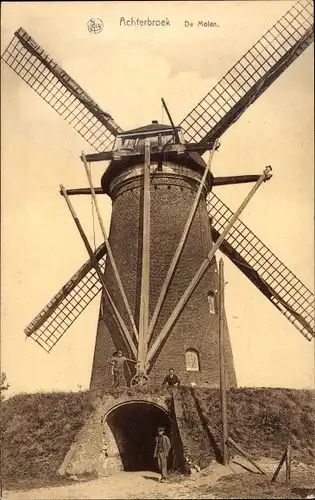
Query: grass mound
37	431
261	420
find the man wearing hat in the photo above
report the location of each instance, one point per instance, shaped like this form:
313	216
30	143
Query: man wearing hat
118	363
161	451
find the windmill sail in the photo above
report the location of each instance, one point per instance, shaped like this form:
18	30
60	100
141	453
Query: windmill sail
264	269
251	75
60	313
60	91
291	297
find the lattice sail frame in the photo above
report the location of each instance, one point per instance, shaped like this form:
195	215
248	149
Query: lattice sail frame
242	246
60	91
251	75
271	276
66	306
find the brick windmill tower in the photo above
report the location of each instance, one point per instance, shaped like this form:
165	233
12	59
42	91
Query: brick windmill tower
157	269
173	180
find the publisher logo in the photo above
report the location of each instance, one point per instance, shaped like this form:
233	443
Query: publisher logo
95	25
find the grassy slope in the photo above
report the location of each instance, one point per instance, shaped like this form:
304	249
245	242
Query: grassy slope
260	420
256	486
38	429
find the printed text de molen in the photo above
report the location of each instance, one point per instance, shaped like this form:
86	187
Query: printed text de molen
201	24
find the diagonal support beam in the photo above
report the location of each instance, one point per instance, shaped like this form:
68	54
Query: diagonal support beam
109	250
145	272
203	269
171	120
225	433
179	249
121	323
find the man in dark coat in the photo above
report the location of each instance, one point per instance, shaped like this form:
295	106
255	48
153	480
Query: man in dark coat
171	379
161	451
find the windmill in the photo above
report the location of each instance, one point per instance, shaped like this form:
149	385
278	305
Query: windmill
176	170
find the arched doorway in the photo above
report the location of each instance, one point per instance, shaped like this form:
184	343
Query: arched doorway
134	426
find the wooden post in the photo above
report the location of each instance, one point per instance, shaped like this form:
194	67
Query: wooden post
120	320
179	249
203	268
222	366
109	250
246	455
288	463
145	273
280	464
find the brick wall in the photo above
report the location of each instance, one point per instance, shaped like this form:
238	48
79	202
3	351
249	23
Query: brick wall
196	328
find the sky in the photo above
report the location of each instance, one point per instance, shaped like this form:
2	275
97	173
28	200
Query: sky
127	70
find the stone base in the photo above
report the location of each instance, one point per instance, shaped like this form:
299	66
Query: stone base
96	449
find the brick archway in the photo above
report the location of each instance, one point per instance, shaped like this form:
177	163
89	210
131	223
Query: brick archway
133	425
98	445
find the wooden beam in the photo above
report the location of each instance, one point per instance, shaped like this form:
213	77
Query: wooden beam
114	155
88	247
246	455
180	246
222	366
145	272
203	269
171	120
109	250
288	463
105	156
280	464
234	179
72	192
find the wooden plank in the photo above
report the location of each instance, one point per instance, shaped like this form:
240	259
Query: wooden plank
288	463
280	464
234	179
145	272
246	455
73	192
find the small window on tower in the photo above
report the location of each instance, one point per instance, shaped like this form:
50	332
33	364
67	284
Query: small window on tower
212	302
192	360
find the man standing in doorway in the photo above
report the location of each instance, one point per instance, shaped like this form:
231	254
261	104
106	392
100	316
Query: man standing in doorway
161	451
118	364
171	379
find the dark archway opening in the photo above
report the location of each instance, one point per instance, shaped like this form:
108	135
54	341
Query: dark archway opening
134	427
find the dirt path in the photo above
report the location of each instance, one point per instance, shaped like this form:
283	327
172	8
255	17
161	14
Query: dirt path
145	484
121	485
